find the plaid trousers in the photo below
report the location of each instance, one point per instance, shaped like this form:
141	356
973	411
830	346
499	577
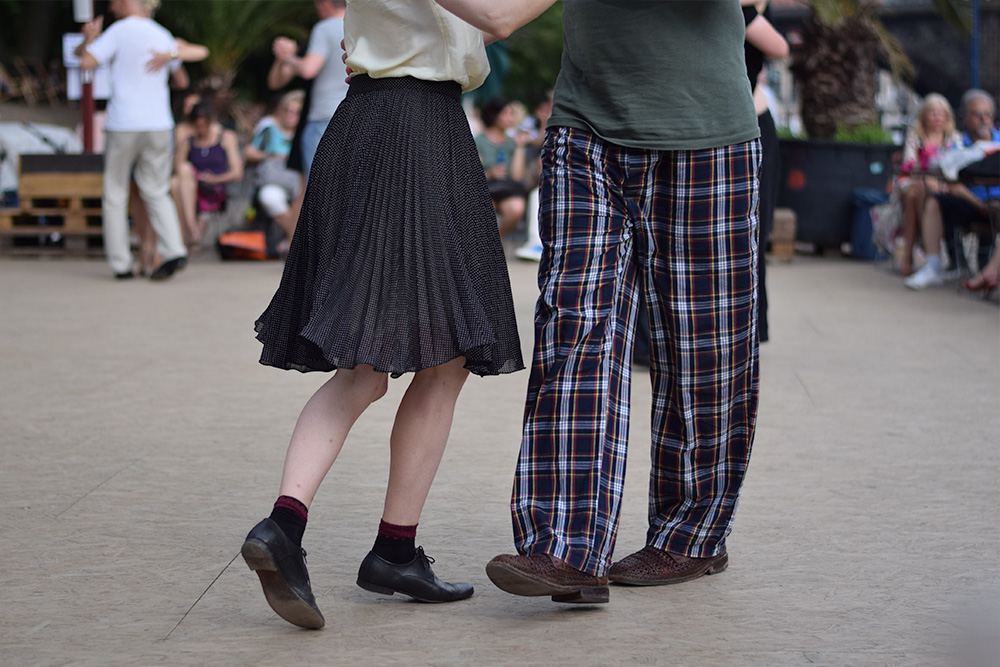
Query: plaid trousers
623	228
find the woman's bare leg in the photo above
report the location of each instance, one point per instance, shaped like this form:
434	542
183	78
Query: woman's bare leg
913	207
323	426
419	435
184	188
148	259
511	211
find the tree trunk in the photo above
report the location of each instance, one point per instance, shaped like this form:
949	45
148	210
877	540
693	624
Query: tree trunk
837	73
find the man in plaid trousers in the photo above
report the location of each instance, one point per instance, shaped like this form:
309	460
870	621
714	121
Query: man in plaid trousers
648	200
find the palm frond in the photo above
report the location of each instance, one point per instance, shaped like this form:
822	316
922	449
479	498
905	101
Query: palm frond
233	30
899	64
956	12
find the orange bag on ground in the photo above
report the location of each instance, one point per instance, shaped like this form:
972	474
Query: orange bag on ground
250	245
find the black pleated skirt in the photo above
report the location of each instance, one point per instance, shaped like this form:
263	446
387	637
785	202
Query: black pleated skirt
396	261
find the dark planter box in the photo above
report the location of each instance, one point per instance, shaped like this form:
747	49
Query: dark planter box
818	180
43	163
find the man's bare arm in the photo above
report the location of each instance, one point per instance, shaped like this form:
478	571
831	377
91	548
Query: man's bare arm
183	51
91	31
499	19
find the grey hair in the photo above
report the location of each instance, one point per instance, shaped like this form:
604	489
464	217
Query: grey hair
973	94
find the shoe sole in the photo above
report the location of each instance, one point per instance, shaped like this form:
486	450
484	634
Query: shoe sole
516	582
159	276
166	270
283	600
714	568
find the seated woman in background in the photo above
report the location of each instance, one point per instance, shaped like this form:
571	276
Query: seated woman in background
278	186
933	131
504	161
203	164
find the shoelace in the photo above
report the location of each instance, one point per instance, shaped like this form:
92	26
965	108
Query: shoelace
421	554
308	581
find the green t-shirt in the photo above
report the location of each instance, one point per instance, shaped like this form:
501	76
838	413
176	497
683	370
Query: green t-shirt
492	154
655	74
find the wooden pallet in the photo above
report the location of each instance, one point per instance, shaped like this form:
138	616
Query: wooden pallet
59	208
783	235
67	225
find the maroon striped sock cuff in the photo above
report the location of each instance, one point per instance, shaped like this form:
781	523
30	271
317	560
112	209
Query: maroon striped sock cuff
397	532
293	505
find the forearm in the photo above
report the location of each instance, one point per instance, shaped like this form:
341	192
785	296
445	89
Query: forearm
280	74
231	176
489	38
190	53
963	192
91	31
179	79
910	146
253	155
88	62
497	19
233	159
517	164
761	34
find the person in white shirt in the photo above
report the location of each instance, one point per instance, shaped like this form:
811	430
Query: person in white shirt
395	267
138	128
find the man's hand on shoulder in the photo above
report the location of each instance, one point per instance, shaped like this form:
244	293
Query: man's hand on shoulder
159	60
91	30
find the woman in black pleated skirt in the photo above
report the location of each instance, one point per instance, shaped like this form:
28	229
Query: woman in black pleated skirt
395	267
396	262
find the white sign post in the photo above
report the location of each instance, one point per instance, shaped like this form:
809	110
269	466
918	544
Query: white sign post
83	11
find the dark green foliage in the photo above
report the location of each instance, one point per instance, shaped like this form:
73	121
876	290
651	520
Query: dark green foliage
862	134
234	31
535	52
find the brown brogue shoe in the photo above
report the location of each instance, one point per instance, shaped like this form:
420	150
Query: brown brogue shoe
654	567
542	574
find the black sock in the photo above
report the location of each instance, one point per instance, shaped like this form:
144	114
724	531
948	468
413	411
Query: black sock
291	516
395	544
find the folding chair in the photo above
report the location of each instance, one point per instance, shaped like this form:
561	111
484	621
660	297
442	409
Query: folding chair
36	76
9	86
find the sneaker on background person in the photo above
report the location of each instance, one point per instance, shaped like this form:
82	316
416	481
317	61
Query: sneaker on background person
532	248
931	274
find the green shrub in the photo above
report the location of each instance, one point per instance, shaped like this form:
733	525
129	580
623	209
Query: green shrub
862	134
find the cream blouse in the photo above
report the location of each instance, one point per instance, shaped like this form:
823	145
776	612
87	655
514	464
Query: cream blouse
392	38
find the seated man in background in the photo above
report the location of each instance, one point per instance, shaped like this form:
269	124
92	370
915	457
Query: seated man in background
958	206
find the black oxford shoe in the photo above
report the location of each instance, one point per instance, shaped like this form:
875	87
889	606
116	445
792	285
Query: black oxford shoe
281	567
415	579
169	268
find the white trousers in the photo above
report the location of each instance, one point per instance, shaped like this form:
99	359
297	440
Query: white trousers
273	199
147	157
